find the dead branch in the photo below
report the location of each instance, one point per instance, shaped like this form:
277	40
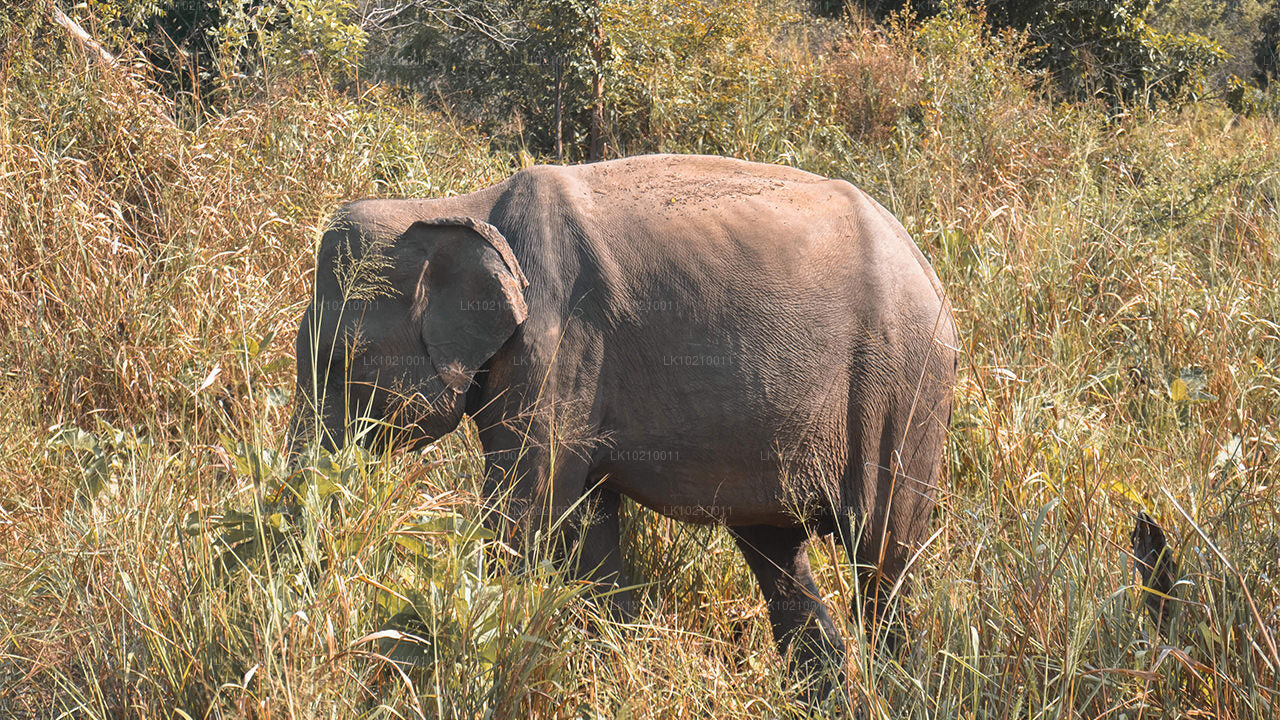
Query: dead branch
87	44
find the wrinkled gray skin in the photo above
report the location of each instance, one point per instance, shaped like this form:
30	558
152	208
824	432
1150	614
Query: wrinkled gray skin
721	341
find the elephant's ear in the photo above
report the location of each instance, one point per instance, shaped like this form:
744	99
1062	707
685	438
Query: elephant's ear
470	295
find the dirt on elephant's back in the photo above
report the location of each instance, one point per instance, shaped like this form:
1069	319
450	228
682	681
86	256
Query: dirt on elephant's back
683	180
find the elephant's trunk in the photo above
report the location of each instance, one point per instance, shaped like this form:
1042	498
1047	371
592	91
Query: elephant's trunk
307	424
302	427
295	438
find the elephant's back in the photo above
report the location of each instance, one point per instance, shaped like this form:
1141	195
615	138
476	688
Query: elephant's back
688	179
649	189
745	232
712	205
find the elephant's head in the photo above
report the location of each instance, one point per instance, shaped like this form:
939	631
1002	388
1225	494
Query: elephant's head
399	327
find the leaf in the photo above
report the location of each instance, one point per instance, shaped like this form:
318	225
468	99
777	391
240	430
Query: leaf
248	346
251	460
1123	488
453	524
326	486
280	363
95	462
399	646
209	379
412	544
191	525
381	635
1189	386
275	397
75	439
1230	458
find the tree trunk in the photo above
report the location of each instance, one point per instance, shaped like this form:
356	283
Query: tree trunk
597	86
559	64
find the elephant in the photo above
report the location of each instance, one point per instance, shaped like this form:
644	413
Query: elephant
720	340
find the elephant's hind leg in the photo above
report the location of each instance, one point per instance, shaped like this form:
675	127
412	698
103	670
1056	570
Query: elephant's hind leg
881	585
801	625
886	522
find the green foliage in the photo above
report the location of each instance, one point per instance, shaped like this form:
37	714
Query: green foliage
968	75
120	23
1233	24
1266	49
178	38
522	65
312	37
1123	51
1249	100
1111	49
98	455
683	74
472	637
198	48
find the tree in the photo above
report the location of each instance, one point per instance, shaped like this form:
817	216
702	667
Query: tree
1266	49
1110	49
534	64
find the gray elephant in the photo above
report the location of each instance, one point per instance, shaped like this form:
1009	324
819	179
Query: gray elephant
722	341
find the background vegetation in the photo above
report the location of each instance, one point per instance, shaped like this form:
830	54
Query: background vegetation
1098	191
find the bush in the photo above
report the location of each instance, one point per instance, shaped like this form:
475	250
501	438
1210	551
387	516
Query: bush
1266	49
526	68
1111	49
874	81
682	72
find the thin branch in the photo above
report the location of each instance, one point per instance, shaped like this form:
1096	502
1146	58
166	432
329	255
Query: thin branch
94	49
378	14
86	42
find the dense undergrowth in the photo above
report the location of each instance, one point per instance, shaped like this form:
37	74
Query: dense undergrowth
1113	273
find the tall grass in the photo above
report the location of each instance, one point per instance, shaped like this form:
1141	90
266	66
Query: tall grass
1113	276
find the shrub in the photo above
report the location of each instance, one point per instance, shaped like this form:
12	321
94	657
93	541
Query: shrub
524	67
1111	49
875	81
1266	49
681	71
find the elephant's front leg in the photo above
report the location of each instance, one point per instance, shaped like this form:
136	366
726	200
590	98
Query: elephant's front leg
597	555
545	504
